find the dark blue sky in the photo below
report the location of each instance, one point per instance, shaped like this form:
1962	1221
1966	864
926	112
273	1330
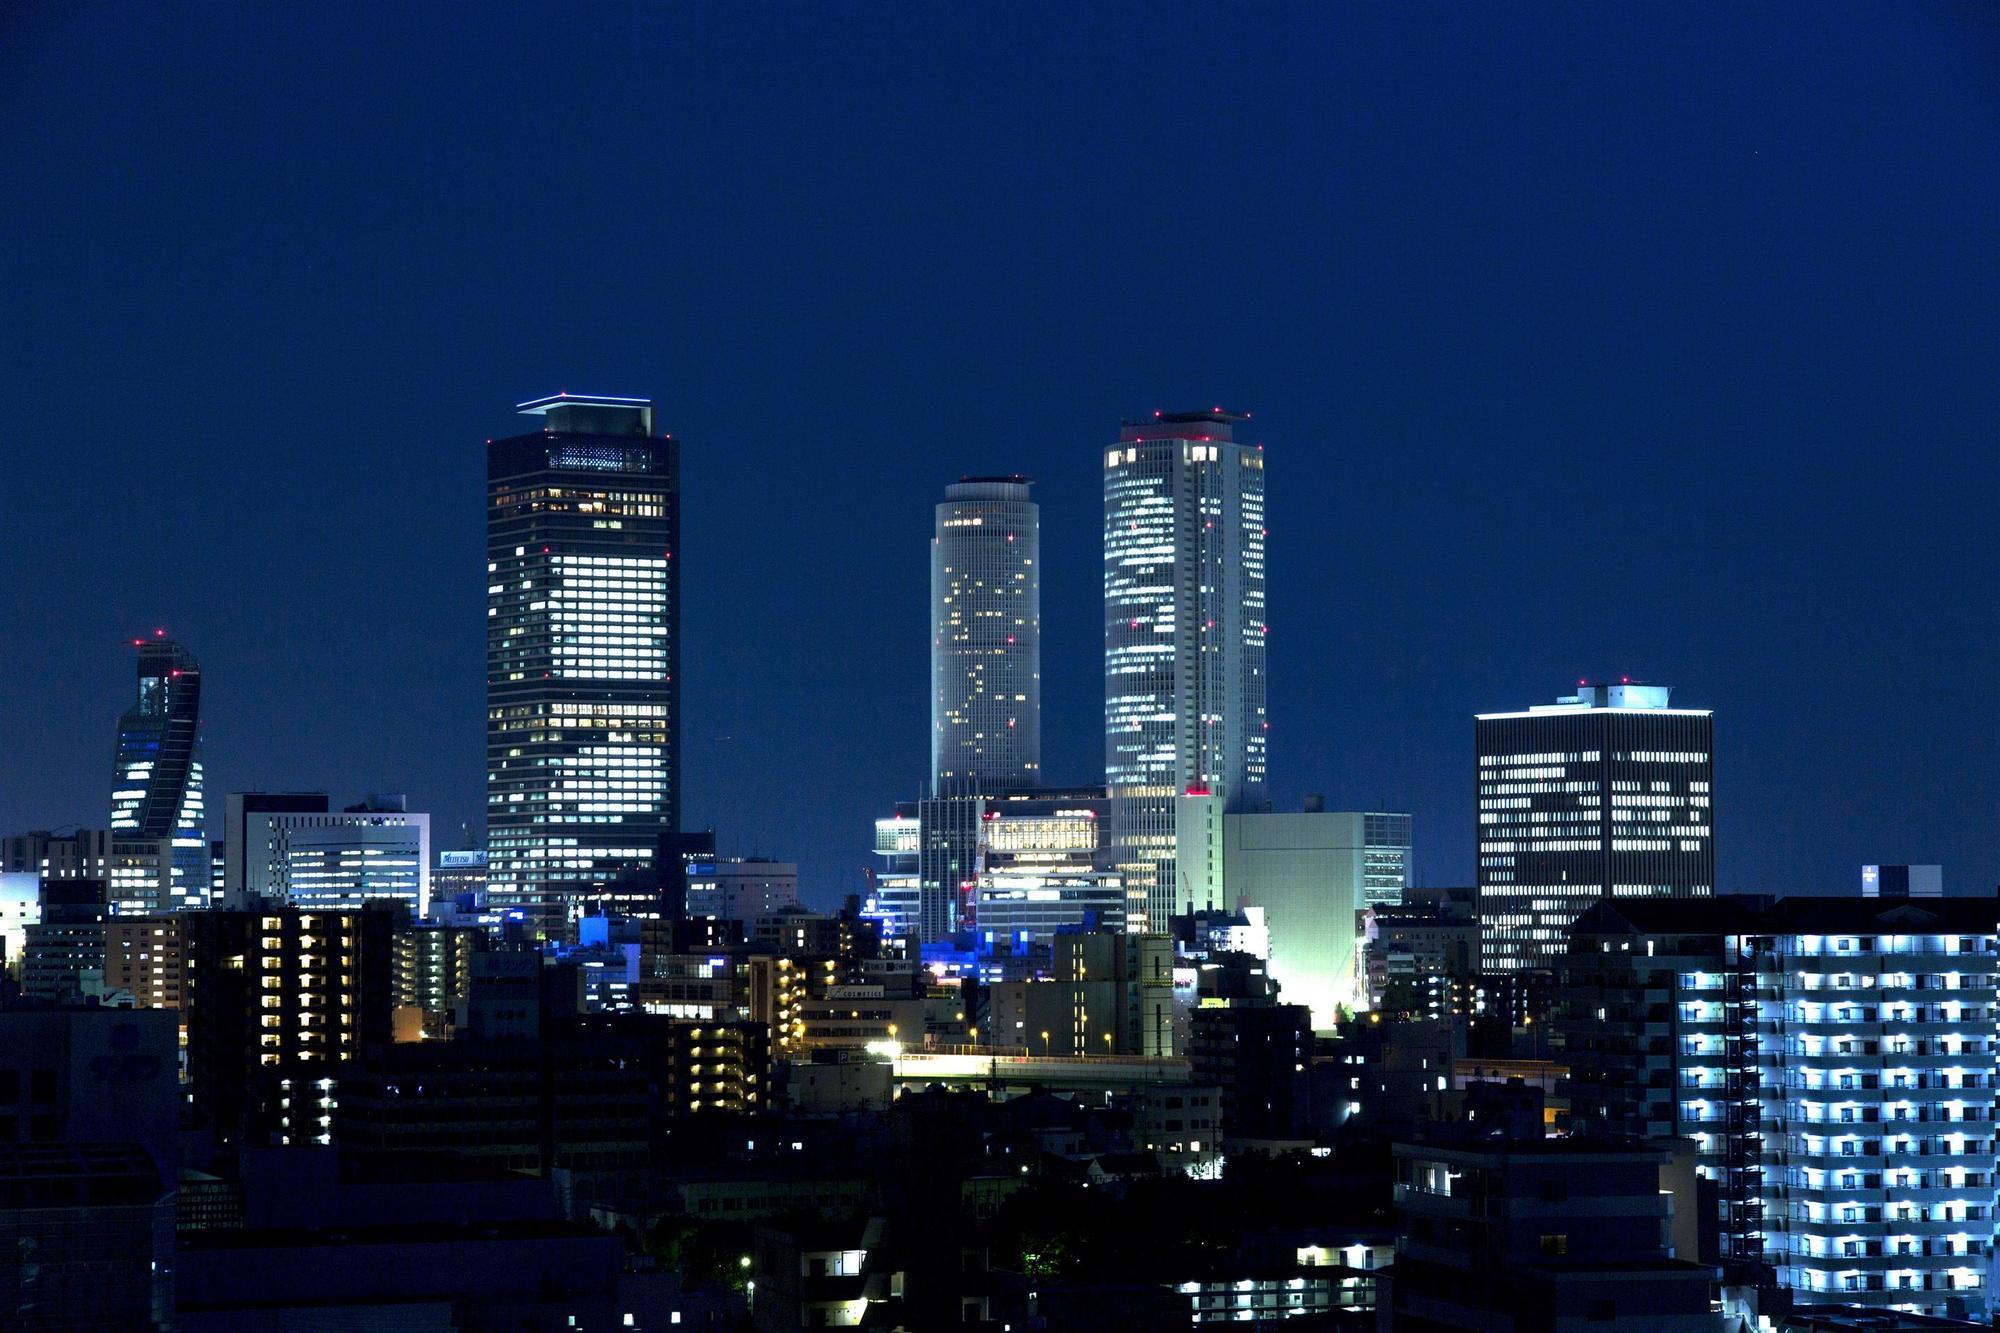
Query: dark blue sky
1592	339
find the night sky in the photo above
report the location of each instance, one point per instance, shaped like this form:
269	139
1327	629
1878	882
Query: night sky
1584	340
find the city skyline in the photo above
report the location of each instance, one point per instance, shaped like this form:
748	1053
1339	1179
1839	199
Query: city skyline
1517	450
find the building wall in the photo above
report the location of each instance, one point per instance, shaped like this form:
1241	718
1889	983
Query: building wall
1307	871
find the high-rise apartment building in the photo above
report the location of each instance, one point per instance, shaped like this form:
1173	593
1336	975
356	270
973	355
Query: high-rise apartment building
276	1000
1833	1059
986	638
156	789
1184	634
1606	793
582	653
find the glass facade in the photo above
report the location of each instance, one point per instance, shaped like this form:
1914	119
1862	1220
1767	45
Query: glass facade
1606	793
986	638
1184	634
157	783
583	691
1385	870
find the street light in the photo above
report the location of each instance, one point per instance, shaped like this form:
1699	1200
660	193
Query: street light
1045	1043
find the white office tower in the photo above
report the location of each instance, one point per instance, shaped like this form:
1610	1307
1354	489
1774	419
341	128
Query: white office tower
280	848
1184	636
986	639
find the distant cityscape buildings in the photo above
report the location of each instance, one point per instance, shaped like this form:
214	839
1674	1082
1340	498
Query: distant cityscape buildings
1606	793
243	1063
582	651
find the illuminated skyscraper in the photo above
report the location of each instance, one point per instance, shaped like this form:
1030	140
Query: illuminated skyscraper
1183	634
156	789
986	638
582	652
1606	793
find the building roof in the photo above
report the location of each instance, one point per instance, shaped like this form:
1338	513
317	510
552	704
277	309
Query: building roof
1759	914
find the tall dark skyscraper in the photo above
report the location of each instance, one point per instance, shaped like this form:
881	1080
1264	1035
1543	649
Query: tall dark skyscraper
1606	793
1184	628
156	789
582	653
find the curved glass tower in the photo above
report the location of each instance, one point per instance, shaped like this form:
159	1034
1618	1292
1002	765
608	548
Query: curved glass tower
986	639
156	787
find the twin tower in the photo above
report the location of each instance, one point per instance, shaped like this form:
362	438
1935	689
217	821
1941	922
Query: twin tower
1184	635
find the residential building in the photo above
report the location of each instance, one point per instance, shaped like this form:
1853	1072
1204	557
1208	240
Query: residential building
583	646
986	639
1184	635
157	786
276	998
1833	1059
1606	793
1541	1235
1111	994
1257	1056
145	957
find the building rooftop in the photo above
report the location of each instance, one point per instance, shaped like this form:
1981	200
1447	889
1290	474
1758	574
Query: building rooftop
1758	914
591	413
1624	695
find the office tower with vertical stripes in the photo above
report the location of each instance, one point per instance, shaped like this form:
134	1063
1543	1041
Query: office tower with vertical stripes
1606	793
1184	636
582	653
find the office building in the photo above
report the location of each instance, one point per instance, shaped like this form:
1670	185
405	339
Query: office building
137	872
459	877
157	786
62	958
1184	635
249	842
326	861
741	889
986	638
1009	869
583	646
1833	1061
1606	793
